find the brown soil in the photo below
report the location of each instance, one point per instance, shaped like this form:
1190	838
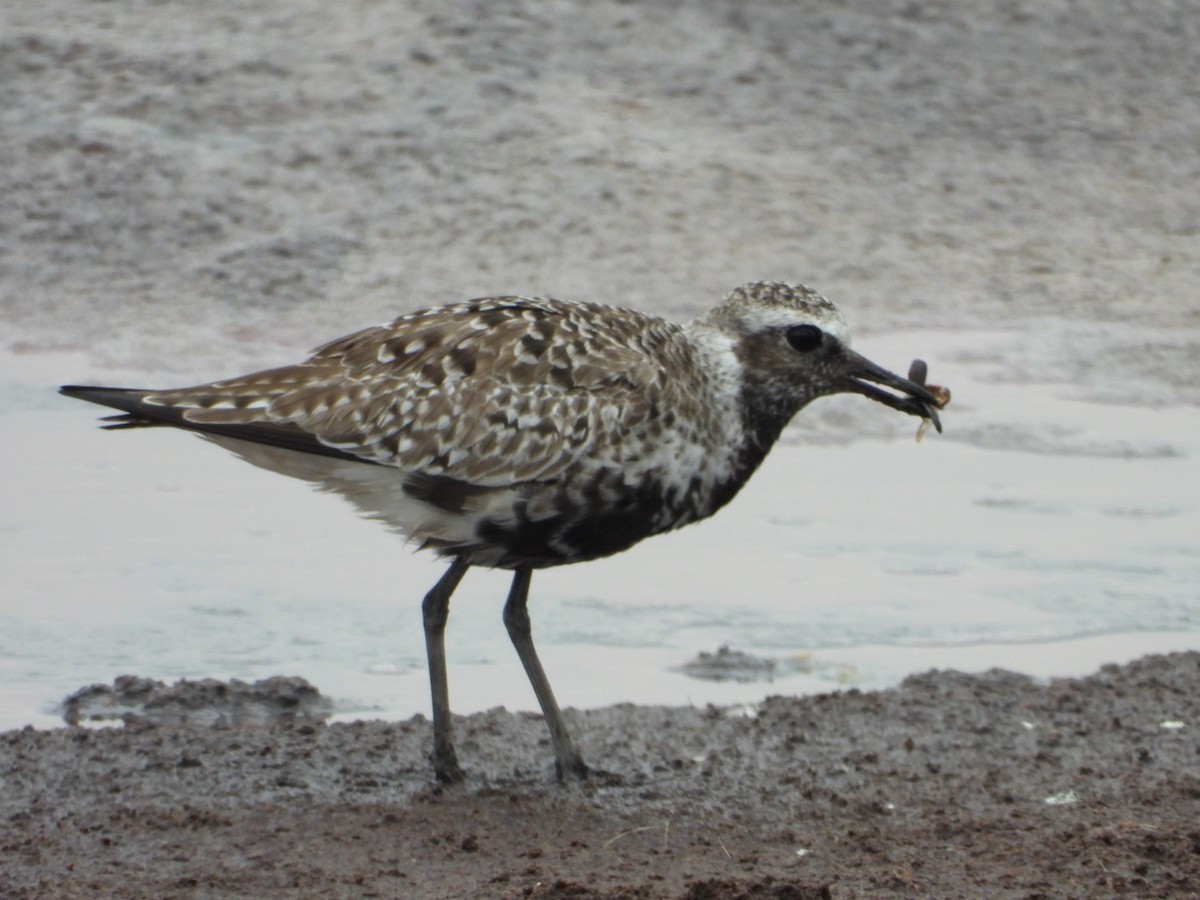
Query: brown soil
947	786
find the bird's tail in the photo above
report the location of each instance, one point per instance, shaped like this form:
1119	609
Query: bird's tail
135	412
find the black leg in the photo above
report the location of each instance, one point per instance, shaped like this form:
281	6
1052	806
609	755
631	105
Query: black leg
516	619
435	610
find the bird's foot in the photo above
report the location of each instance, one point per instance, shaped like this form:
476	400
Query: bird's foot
581	774
447	770
573	769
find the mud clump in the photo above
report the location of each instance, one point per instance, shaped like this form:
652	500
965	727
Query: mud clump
133	699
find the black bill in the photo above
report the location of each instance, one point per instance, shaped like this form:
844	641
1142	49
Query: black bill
868	379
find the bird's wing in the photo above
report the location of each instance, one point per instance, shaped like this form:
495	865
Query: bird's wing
491	392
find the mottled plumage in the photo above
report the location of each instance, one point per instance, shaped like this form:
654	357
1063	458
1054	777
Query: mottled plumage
528	432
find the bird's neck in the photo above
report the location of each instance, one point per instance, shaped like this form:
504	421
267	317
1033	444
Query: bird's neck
753	419
762	410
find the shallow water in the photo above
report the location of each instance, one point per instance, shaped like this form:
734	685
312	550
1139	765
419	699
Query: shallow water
1045	531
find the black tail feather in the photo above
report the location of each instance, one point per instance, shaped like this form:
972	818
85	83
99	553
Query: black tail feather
137	413
128	400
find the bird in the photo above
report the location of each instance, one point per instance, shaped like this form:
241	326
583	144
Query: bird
522	433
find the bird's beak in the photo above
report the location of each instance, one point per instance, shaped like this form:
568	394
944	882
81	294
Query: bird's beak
862	376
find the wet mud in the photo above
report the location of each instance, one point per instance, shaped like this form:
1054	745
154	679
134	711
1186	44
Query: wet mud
949	785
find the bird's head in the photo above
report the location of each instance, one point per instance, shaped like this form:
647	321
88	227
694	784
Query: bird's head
793	346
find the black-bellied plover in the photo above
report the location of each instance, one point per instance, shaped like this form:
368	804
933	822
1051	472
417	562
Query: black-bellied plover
522	433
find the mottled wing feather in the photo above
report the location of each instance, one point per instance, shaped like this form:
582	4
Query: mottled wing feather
491	392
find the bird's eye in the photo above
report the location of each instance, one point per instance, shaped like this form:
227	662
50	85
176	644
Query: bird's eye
804	337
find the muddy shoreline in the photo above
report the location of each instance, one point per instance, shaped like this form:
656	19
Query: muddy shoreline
948	785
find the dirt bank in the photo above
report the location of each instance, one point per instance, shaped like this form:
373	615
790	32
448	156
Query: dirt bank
948	786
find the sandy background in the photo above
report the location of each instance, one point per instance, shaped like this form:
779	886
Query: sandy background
294	167
189	190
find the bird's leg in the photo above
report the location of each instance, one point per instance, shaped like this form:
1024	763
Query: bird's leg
568	762
435	609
